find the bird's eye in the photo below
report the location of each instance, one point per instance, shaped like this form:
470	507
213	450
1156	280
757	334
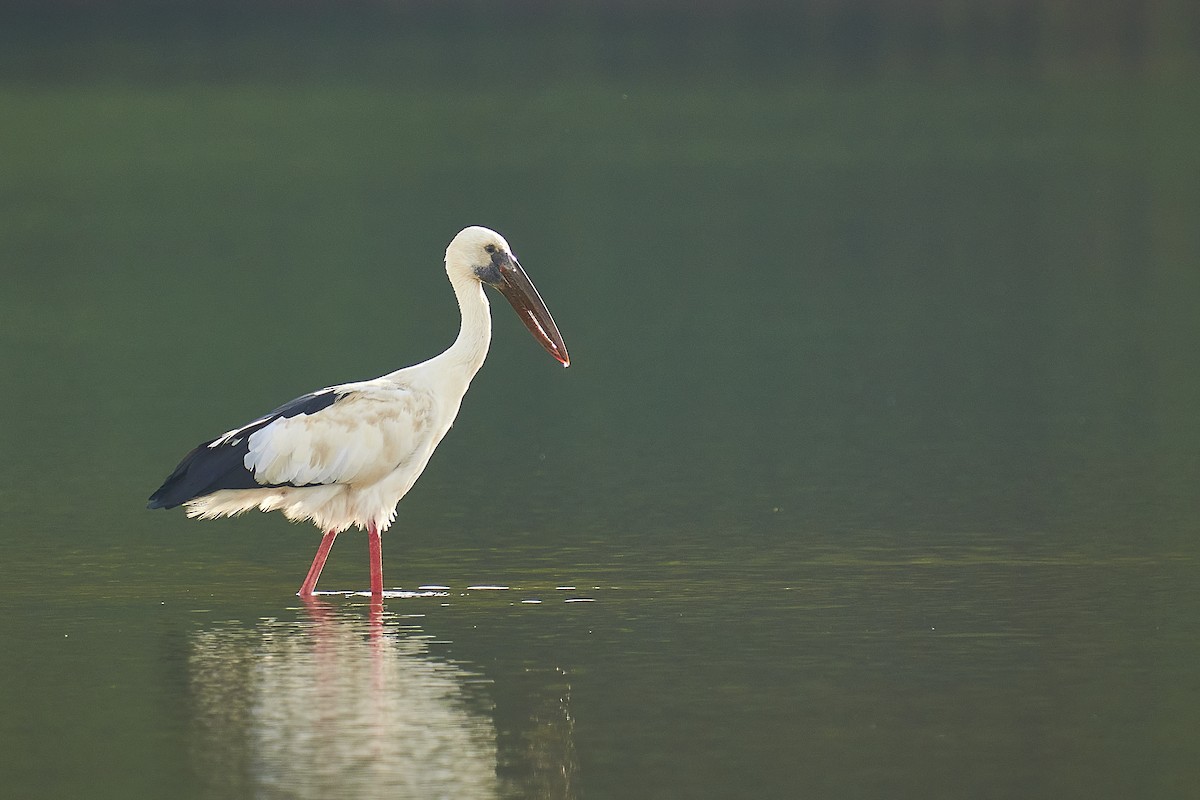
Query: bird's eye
491	248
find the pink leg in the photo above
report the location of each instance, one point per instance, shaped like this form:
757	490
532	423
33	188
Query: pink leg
314	572
375	545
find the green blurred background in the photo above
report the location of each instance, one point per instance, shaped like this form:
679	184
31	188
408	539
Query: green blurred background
877	456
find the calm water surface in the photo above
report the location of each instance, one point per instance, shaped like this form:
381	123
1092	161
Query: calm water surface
874	474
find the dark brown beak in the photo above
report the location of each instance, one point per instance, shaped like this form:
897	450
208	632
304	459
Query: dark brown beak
515	285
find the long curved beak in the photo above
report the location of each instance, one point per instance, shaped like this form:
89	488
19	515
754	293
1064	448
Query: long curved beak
515	285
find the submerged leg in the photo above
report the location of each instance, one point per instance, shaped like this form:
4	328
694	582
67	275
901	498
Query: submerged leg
375	545
314	572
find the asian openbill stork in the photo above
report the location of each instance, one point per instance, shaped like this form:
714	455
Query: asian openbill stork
344	455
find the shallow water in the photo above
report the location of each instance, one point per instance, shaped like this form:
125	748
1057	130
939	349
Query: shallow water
873	474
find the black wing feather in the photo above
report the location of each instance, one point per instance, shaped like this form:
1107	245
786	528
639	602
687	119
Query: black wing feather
209	469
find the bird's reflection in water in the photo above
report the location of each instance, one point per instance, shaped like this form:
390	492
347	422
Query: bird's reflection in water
338	704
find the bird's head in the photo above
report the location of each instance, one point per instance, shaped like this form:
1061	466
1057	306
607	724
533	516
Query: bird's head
483	255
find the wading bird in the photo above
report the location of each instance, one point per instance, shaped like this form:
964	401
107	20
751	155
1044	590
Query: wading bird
344	455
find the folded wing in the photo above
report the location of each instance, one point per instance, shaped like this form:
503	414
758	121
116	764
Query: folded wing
355	433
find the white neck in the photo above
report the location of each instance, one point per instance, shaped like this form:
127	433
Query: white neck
475	333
